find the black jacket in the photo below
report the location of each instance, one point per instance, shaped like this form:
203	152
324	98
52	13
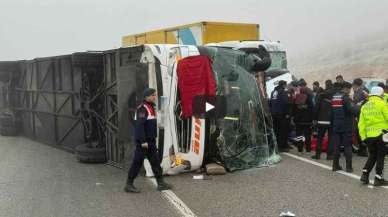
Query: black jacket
322	109
145	126
279	102
303	114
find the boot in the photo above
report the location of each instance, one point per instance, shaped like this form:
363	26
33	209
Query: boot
380	181
364	177
349	167
162	185
130	188
329	157
300	146
336	165
308	148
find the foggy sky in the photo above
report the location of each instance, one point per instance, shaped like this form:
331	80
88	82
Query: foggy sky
37	28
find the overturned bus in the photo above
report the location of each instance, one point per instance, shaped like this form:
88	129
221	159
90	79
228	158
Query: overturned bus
239	139
86	102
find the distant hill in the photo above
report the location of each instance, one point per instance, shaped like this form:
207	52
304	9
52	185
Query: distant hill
365	57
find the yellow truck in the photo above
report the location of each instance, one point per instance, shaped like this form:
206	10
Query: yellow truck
196	34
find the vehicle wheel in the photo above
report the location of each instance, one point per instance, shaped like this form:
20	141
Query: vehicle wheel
8	131
86	153
6	120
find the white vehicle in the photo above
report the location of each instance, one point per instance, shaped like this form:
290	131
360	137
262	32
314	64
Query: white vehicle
184	140
372	82
278	69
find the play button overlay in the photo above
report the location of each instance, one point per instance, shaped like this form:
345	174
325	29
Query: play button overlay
209	107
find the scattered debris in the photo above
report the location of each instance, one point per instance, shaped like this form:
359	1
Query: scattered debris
215	169
201	177
287	214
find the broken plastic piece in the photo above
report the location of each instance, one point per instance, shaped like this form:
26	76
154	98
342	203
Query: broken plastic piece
201	177
287	214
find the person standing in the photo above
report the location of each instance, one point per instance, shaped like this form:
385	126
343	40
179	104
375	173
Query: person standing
360	91
145	138
339	79
322	118
342	122
279	105
316	91
373	120
303	116
360	96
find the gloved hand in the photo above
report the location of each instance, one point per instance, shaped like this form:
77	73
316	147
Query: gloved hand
144	145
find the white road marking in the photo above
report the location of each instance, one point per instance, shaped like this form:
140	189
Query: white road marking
351	175
181	207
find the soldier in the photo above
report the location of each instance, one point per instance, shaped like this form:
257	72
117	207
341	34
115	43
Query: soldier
145	138
343	113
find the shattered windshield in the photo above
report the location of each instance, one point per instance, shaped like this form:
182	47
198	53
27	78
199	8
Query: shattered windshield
279	60
242	142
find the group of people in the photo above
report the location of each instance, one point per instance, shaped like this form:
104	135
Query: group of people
359	120
328	111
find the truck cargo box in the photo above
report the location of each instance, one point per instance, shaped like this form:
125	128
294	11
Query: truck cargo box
196	34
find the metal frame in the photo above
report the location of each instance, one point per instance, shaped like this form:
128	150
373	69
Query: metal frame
55	96
125	79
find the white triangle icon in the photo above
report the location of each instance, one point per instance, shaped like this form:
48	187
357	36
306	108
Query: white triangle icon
209	107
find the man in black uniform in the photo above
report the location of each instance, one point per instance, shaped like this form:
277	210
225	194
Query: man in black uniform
280	110
145	138
343	112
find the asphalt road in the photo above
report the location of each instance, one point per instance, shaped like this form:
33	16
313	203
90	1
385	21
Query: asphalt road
38	180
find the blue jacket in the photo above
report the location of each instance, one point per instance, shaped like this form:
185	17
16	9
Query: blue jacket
145	123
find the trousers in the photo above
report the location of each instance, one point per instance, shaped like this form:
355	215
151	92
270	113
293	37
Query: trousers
377	151
343	139
322	130
151	153
281	128
305	131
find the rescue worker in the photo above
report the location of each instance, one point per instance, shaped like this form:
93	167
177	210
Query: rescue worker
279	105
145	138
322	118
342	112
360	95
373	120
